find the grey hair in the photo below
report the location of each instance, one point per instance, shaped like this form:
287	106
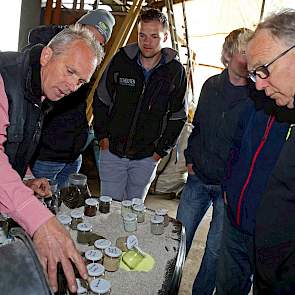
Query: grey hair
281	25
60	42
234	42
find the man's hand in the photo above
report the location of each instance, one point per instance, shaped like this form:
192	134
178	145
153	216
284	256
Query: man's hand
156	157
54	244
190	169
40	186
104	143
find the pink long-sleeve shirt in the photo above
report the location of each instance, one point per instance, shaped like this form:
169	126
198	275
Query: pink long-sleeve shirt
17	200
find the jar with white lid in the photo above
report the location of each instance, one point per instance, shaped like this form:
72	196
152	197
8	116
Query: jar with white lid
105	204
81	289
126	207
130	222
102	244
163	212
157	225
65	220
137	201
91	205
93	256
84	229
95	270
100	287
112	256
77	217
139	210
127	243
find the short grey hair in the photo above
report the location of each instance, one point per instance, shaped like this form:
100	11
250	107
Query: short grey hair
235	42
60	42
281	25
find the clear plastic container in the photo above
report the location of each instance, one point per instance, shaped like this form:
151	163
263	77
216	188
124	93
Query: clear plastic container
133	257
75	194
139	210
100	287
163	212
111	259
137	201
102	244
84	229
93	256
157	225
91	205
127	243
130	222
105	204
95	270
65	220
126	207
77	217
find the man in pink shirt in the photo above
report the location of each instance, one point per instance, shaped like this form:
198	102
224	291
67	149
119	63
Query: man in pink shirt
29	81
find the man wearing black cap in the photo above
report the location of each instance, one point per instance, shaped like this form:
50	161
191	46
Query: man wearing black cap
65	129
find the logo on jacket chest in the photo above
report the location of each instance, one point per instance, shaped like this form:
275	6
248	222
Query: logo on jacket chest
127	82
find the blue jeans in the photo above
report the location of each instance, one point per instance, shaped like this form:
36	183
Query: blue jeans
236	263
195	200
56	170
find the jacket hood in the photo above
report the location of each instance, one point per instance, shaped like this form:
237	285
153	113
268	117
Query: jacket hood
131	50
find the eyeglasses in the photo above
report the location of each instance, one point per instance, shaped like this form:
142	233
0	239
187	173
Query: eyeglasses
262	71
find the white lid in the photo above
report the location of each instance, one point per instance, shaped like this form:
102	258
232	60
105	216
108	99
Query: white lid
81	289
113	252
77	213
102	244
84	226
93	255
137	201
138	207
131	242
100	286
157	219
64	219
91	202
95	269
105	199
161	211
77	179
130	217
126	203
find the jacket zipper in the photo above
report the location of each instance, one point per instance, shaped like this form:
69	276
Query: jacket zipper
269	124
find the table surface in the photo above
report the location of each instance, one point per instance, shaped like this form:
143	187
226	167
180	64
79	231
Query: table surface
165	249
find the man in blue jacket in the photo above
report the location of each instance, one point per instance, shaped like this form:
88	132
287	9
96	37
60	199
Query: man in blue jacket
222	98
259	189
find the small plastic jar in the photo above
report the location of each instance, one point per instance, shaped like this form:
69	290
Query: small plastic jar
137	201
139	210
157	225
126	207
102	244
100	287
111	259
93	256
91	205
81	290
77	217
95	270
127	243
133	257
65	220
105	204
163	212
84	229
130	222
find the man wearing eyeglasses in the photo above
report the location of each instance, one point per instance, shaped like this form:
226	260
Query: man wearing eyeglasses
259	231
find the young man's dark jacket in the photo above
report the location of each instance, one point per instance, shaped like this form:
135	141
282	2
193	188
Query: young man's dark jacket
140	117
214	123
21	76
65	128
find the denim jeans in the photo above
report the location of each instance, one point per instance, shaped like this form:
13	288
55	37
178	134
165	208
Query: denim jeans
195	200
56	170
236	263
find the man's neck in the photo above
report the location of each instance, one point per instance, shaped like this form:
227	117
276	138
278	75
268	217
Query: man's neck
237	80
150	62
